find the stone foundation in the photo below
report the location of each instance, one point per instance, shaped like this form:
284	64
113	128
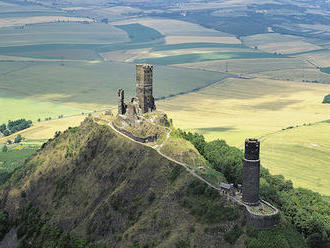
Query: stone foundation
132	136
262	220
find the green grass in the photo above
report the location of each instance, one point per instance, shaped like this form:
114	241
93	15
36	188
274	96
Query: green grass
201	57
139	33
196	45
62	33
14	158
301	154
16	107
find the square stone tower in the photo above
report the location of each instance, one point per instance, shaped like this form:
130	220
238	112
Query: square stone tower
251	172
144	74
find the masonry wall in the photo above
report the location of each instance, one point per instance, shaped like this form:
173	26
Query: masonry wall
132	136
262	221
144	87
251	172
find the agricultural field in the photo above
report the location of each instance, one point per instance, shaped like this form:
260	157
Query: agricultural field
14	158
274	42
62	33
16	107
251	66
320	59
302	75
236	109
44	130
77	87
301	154
171	27
262	106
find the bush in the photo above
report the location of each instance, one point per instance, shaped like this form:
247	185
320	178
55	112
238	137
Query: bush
225	159
284	236
4	224
233	234
34	231
183	243
4	148
206	204
18	139
326	99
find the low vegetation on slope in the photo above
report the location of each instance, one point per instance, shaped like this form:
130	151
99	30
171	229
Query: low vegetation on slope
89	187
95	184
305	209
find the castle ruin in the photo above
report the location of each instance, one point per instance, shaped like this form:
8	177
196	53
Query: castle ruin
251	172
144	101
144	78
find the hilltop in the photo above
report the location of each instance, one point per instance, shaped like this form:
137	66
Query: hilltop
91	182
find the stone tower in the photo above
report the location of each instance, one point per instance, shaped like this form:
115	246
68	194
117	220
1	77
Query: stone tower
251	172
121	103
144	75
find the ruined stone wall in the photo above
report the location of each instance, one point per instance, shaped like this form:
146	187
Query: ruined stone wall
262	220
132	136
144	88
251	172
121	102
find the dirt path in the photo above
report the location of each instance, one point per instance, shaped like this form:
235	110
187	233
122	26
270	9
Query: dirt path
186	166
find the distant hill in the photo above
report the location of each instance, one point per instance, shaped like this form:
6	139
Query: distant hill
89	182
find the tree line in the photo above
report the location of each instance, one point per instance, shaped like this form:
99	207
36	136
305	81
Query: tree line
15	126
305	209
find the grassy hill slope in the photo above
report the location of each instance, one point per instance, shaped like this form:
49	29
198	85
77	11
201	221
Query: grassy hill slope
98	185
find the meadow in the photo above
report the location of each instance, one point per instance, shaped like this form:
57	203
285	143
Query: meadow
201	57
13	158
302	154
40	132
274	42
86	85
62	33
17	107
236	109
262	106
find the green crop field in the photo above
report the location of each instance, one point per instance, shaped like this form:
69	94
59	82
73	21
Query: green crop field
53	88
200	57
301	154
16	107
62	33
248	66
240	108
13	158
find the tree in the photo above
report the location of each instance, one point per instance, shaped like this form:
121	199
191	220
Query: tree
18	139
225	159
5	149
3	127
6	132
326	99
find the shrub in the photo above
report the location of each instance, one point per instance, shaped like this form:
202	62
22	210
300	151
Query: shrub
233	234
4	224
326	99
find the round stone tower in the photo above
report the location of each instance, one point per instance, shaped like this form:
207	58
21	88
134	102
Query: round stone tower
251	172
